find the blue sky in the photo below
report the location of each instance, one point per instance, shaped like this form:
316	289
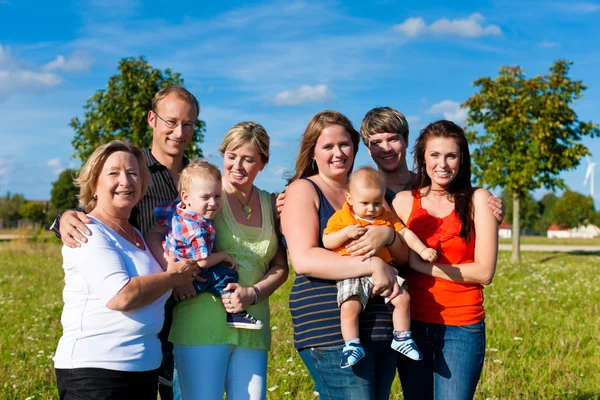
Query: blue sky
277	63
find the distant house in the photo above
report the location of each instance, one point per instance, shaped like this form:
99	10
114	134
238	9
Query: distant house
582	232
505	231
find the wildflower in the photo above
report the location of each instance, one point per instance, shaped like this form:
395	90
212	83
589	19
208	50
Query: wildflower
517	338
272	388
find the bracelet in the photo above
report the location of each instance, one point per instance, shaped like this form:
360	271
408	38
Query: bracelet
256	295
393	240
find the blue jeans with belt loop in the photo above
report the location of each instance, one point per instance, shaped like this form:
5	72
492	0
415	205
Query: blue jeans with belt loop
452	361
370	379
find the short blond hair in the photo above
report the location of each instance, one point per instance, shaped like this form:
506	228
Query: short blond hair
179	92
88	177
367	177
198	168
247	132
383	120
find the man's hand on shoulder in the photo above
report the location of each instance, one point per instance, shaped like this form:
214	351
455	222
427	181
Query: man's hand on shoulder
72	228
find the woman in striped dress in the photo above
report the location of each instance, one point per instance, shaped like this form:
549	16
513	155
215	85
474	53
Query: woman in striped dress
315	192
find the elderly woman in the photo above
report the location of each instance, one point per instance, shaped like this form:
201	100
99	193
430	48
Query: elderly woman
211	358
450	215
316	191
114	289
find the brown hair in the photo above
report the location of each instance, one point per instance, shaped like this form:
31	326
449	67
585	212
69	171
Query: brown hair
198	168
304	165
179	92
247	132
367	177
88	177
382	120
460	189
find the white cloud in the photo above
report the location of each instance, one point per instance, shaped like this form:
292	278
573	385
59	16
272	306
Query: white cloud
278	171
5	169
583	7
278	144
56	165
16	78
77	62
306	94
451	111
472	26
544	44
413	120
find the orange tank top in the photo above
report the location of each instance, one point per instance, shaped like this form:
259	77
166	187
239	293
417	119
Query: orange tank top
437	300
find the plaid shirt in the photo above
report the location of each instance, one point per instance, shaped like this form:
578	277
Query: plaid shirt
189	235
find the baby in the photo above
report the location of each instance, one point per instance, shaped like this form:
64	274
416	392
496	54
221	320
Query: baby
364	207
191	234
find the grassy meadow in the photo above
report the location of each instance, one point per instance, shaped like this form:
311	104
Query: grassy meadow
543	322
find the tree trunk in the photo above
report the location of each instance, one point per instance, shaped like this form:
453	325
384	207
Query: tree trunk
516	231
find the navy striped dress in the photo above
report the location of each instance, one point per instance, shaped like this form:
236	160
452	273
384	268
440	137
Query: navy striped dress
313	305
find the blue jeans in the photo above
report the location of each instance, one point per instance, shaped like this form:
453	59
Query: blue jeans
370	379
217	277
452	361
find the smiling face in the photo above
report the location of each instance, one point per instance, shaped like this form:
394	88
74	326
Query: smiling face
442	161
388	151
334	152
119	187
241	166
203	196
172	110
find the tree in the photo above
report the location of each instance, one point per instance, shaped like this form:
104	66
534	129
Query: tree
546	205
9	208
530	211
531	132
35	212
120	110
63	194
573	209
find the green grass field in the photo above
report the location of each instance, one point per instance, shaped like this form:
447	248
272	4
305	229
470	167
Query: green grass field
543	321
561	242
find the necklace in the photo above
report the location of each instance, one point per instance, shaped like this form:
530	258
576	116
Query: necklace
246	207
137	244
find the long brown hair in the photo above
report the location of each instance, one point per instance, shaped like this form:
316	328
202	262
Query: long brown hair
460	189
304	165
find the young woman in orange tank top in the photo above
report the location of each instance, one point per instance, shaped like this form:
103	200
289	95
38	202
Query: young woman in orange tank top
452	217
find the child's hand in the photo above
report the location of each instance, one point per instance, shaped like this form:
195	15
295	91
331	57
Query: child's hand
230	262
429	255
354	231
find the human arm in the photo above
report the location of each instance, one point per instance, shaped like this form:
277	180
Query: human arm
102	266
374	238
497	206
300	225
70	227
482	269
242	297
417	245
215	258
335	239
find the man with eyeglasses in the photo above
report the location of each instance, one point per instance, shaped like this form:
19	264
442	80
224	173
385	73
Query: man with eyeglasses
172	119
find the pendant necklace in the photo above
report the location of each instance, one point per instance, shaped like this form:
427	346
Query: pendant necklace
137	244
246	207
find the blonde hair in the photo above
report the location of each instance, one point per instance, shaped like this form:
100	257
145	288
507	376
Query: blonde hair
88	177
383	120
198	168
247	132
367	177
179	92
304	162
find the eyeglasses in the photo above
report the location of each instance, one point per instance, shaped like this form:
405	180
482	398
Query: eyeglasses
189	126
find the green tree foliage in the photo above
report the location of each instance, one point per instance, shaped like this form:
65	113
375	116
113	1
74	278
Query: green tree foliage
63	194
120	110
530	132
35	212
9	209
530	210
546	205
573	209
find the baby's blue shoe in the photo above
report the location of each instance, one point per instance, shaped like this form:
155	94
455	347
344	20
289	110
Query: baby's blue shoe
351	354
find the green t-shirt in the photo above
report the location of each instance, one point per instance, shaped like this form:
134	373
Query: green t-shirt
202	321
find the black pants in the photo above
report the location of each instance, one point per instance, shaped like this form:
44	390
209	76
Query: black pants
166	369
106	384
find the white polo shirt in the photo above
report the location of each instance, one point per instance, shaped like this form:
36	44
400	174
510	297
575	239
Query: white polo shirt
93	335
